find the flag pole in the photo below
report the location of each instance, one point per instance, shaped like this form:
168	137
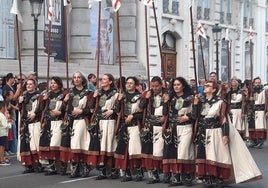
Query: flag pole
193	47
98	45
19	51
160	48
229	60
203	60
147	46
66	46
119	51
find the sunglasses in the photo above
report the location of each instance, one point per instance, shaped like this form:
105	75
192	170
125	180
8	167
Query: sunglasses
207	85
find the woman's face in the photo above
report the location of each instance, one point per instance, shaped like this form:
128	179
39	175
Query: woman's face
130	85
234	84
156	87
177	86
105	82
208	88
77	79
54	86
30	86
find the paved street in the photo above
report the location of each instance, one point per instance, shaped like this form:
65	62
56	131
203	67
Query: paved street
11	176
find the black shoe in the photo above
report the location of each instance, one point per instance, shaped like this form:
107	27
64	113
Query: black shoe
126	178
51	169
140	175
102	174
115	174
74	170
186	179
85	170
101	177
153	181
63	169
176	181
28	169
167	177
39	169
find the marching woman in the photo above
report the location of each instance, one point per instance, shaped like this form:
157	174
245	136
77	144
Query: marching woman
128	151
179	156
213	157
78	100
105	117
156	104
51	121
30	127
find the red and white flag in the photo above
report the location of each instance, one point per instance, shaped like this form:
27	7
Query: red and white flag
15	10
92	1
148	2
201	31
250	34
51	11
67	2
116	5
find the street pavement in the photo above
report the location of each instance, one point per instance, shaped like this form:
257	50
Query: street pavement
12	177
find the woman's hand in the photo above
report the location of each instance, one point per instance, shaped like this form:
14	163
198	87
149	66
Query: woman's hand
107	114
225	140
129	119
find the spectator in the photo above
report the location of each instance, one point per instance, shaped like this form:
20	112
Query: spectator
92	81
4	126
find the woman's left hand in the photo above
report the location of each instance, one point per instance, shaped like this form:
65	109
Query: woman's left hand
225	140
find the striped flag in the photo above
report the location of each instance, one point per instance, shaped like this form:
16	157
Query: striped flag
147	2
201	31
15	10
116	5
250	34
67	2
92	1
51	11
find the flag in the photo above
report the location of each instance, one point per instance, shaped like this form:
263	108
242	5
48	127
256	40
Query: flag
250	34
15	10
67	2
90	3
147	2
116	5
227	34
201	31
51	11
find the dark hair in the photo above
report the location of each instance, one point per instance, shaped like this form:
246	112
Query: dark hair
213	73
9	76
136	81
58	81
2	104
111	78
186	87
90	76
157	79
257	78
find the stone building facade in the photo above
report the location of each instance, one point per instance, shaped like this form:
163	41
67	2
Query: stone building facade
173	19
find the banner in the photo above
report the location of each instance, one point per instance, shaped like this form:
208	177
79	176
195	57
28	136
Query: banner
57	49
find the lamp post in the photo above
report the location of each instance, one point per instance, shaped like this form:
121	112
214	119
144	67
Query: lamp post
36	11
216	29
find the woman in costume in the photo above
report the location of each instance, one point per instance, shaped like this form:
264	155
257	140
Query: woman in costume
103	103
30	127
51	121
128	151
179	156
77	113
